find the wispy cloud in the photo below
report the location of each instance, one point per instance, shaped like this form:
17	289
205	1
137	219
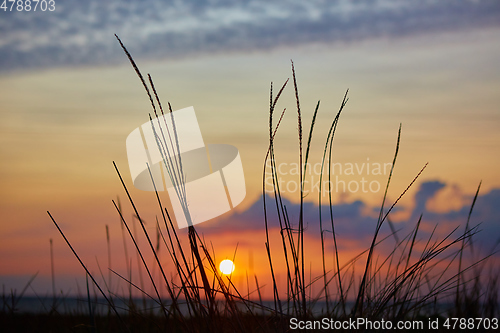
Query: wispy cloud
81	32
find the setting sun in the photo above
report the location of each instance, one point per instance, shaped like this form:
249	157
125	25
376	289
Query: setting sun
226	266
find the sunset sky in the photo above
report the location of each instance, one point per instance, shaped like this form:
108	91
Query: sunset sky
69	98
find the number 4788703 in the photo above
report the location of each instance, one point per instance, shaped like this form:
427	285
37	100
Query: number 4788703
28	5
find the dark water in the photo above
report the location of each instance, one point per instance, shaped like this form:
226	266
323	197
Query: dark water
82	306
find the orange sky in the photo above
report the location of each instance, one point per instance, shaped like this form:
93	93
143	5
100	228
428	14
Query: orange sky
60	130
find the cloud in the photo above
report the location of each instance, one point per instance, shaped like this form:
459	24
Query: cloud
354	222
485	214
81	32
426	192
253	217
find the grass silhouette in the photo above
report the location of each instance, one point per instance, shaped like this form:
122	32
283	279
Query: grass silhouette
408	284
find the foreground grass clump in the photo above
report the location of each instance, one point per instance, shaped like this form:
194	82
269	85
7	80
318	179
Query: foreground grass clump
129	323
407	284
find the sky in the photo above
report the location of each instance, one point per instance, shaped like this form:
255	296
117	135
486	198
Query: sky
69	98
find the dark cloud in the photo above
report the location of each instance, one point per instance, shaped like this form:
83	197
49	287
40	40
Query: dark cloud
426	192
485	215
253	218
81	32
353	222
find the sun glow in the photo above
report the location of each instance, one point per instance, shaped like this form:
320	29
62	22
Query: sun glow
226	267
